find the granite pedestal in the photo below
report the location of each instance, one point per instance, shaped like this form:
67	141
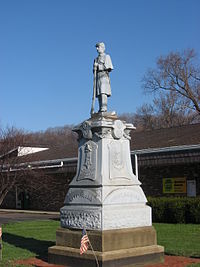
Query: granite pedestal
122	247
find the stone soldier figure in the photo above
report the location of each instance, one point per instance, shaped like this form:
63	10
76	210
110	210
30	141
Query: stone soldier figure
101	68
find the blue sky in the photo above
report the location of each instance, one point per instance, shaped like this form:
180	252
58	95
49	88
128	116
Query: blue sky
47	48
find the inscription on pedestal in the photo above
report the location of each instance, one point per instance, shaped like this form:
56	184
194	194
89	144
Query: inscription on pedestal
83	196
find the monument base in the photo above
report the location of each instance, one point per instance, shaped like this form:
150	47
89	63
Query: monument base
121	247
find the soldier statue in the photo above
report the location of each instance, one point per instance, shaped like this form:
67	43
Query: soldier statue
101	86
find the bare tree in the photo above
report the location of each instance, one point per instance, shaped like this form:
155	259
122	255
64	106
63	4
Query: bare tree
19	168
170	111
166	110
178	73
10	141
128	117
145	117
55	137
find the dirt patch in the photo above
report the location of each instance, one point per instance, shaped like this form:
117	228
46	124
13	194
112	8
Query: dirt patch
175	261
36	263
170	261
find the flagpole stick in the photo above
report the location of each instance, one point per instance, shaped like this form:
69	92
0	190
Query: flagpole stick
94	254
93	250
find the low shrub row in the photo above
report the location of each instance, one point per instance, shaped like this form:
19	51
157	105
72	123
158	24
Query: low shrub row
175	209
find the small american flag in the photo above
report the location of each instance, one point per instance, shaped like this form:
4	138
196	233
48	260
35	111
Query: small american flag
0	232
84	242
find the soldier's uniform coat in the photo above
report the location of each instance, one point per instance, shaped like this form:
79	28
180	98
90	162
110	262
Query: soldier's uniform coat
102	76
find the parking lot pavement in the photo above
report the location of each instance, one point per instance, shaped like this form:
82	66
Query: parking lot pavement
8	217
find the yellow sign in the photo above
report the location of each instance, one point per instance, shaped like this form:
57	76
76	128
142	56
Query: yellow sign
174	185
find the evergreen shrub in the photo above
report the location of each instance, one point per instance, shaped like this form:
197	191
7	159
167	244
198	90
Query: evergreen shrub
175	209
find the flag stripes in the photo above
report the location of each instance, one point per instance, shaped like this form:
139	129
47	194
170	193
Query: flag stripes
84	242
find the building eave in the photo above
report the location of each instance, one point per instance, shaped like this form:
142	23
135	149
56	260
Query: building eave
165	149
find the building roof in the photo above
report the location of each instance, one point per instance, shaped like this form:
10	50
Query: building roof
188	135
168	137
177	145
57	152
160	138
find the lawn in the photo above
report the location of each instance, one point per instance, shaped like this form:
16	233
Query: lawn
27	239
179	239
32	239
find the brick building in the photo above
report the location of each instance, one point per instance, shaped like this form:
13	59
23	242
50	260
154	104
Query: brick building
167	162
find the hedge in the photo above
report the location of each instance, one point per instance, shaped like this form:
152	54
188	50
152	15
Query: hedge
175	209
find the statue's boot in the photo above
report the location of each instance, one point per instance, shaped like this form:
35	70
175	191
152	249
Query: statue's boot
103	103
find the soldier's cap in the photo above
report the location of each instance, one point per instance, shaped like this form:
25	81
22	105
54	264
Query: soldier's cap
100	44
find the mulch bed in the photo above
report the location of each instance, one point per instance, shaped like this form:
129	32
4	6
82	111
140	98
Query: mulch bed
170	261
176	261
36	263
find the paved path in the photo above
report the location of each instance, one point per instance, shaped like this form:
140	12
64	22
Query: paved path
7	217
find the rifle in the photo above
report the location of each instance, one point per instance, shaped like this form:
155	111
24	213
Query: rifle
94	92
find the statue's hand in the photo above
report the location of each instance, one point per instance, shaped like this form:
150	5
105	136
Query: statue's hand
101	67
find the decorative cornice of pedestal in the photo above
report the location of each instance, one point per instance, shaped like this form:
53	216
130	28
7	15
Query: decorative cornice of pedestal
106	195
104	126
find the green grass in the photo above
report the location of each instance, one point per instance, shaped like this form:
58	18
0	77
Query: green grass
194	265
31	239
179	239
27	239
